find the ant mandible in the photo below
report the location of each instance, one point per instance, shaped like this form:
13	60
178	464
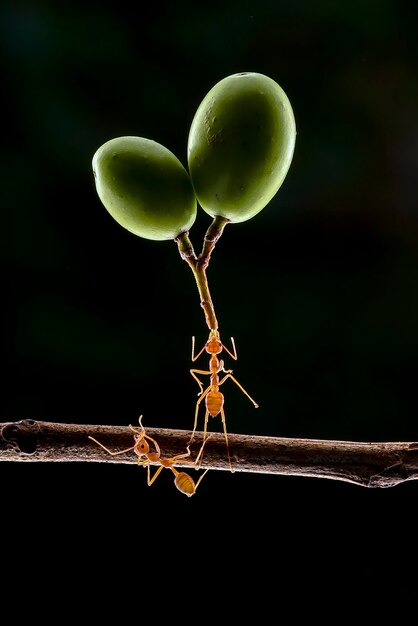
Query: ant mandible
214	399
141	447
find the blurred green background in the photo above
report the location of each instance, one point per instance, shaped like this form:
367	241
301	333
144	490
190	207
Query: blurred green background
318	290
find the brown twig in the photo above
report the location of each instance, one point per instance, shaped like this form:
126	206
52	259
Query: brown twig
365	464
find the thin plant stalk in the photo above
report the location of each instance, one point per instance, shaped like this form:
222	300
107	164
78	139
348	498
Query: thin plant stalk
199	264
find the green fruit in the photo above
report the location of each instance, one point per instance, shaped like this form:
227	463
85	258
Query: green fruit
240	146
144	187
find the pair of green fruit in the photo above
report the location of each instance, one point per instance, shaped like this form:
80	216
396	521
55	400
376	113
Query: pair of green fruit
240	147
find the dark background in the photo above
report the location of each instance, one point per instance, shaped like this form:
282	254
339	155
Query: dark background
318	290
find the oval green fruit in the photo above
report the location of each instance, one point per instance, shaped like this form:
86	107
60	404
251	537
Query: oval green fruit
144	187
241	145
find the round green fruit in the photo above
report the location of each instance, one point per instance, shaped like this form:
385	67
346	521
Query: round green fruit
240	145
144	187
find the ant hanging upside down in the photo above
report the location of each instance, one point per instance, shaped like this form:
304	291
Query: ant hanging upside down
183	481
214	399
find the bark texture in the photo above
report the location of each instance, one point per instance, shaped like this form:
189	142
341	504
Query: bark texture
362	463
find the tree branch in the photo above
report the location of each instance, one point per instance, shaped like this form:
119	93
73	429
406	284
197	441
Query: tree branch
365	464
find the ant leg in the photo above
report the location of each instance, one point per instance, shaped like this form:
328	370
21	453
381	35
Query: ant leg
195	422
195	463
234	354
240	386
193	373
200	479
194	358
110	451
157	447
156	474
200	455
205	428
180	458
222	367
226	439
204	394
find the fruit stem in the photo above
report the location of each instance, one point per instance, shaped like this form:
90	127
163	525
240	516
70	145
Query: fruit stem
199	264
212	235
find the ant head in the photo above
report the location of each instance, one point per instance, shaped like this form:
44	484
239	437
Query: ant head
214	345
141	447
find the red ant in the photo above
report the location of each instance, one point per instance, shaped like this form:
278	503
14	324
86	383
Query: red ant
182	480
214	399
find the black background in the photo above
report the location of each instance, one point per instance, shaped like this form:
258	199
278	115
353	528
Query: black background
319	290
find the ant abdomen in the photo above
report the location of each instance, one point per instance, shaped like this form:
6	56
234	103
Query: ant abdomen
185	483
215	402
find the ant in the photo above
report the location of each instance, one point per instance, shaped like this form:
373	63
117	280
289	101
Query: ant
214	399
182	480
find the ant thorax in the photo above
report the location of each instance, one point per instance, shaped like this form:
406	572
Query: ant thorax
214	364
